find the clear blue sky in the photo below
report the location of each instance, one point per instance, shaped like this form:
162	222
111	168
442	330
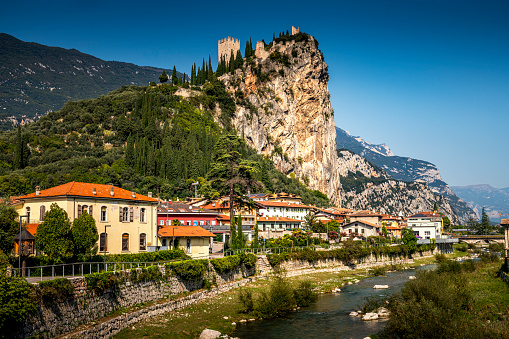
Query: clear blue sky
428	78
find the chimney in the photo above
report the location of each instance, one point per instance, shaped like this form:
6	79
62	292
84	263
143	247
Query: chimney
112	192
150	194
94	191
134	195
37	190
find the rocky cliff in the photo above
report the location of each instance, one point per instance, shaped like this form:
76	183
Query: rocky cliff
366	186
284	111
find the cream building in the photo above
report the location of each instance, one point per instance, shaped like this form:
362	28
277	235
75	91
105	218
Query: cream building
126	221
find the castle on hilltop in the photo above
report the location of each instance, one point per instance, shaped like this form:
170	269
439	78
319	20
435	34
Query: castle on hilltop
228	45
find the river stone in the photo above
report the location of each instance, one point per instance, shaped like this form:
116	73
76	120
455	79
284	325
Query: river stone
336	290
383	312
354	314
381	286
412	277
370	316
209	334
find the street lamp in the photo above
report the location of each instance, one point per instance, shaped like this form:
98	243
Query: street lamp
19	241
195	184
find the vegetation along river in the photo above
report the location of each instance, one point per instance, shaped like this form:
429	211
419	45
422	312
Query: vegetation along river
329	316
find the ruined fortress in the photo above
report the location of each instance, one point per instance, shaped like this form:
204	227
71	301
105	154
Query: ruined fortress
228	45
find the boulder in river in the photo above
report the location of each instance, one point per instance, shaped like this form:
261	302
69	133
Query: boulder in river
209	334
381	286
370	316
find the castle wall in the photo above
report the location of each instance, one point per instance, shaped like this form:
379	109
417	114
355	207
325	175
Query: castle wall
226	46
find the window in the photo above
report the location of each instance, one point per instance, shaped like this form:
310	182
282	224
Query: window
42	212
104	213
356	230
427	232
125	242
161	222
124	214
131	214
164	242
188	245
143	242
188	223
28	213
143	213
202	222
103	242
362	230
168	222
349	230
213	222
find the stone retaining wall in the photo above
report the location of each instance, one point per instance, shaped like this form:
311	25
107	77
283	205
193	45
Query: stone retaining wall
59	317
64	317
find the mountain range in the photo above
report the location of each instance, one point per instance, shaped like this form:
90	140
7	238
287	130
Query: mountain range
36	79
494	200
404	168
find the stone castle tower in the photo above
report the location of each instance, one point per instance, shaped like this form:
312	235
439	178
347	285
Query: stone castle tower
226	46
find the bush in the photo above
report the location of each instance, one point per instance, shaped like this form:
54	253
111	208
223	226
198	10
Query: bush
304	294
372	303
461	247
378	271
449	266
151	273
246	299
189	269
496	247
278	302
58	289
439	257
99	282
226	264
489	257
16	303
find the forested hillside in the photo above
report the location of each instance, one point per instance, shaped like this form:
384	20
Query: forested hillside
139	138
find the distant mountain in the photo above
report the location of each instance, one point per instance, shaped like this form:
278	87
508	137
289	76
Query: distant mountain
495	201
36	79
403	168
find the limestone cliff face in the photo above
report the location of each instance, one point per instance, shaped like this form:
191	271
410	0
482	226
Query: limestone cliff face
368	187
284	111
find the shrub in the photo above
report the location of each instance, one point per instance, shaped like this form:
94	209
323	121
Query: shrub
449	266
489	257
99	282
58	289
16	304
151	273
246	299
278	302
372	303
188	269
226	264
377	271
249	259
471	246
439	257
468	266
461	247
496	247
304	294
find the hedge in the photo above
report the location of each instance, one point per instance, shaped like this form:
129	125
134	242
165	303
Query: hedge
57	289
233	261
188	269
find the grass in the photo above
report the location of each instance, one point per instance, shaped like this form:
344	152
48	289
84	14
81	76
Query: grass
191	321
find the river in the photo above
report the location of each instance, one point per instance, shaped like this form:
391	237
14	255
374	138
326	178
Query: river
328	317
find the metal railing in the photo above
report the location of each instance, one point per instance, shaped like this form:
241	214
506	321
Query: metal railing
48	272
278	250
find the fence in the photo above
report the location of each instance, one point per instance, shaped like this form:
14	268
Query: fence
40	273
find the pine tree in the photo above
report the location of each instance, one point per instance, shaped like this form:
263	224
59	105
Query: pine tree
174	76
485	226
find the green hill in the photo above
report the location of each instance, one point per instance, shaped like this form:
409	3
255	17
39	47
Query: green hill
140	138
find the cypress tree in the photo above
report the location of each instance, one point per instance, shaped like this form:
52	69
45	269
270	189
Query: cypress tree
240	234
233	234
239	60
247	51
251	45
204	71
255	243
130	159
232	63
174	76
210	69
18	150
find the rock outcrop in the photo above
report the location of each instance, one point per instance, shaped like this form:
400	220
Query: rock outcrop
284	111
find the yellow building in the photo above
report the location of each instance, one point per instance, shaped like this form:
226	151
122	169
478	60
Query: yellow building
126	221
194	240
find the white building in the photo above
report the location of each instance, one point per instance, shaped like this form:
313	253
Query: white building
426	225
284	210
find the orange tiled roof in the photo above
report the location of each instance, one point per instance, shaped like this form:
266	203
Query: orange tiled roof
504	222
223	217
184	231
365	214
425	214
82	189
32	228
392	228
268	219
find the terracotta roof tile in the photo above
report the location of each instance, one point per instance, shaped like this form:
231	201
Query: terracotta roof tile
269	219
82	189
504	222
184	231
282	204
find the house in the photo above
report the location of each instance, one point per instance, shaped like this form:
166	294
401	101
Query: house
276	227
284	210
426	225
284	197
368	216
194	240
186	214
362	228
125	220
331	213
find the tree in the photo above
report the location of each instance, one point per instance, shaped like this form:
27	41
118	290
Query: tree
8	228
435	207
54	236
240	234
485	226
174	78
255	243
84	235
21	150
228	172
233	233
163	77
384	231
130	158
309	221
409	239
16	303
175	222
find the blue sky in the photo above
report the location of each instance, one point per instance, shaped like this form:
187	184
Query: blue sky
428	78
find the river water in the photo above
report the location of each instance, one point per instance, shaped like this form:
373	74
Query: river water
328	317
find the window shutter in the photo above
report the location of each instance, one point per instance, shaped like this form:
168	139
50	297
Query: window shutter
90	210
120	214
79	211
131	214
